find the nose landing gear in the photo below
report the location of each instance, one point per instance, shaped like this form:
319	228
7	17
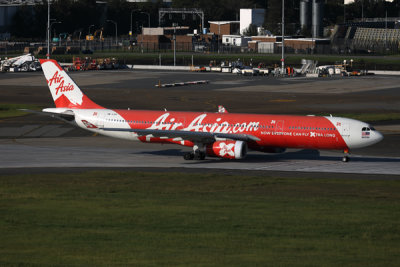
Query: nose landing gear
346	157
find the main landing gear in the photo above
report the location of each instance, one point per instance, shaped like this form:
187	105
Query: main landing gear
197	154
346	156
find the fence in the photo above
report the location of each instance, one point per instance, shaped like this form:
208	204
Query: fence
126	45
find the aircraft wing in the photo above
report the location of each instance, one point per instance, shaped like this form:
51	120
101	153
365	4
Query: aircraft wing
202	137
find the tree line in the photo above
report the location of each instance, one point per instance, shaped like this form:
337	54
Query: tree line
78	16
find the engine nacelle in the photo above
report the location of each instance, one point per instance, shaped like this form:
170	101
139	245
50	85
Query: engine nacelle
227	149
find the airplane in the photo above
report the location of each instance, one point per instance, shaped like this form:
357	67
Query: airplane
221	134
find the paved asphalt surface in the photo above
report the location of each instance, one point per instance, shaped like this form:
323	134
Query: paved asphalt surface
40	142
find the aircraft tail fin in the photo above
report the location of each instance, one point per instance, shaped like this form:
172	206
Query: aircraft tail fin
222	109
65	92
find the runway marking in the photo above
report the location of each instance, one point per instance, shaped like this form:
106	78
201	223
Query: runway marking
282	100
36	130
86	152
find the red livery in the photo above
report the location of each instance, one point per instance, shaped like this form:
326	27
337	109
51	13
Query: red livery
220	134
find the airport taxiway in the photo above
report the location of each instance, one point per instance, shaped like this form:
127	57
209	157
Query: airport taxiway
97	151
247	94
40	142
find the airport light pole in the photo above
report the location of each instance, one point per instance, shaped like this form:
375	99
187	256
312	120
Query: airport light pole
131	33
133	10
219	34
89	29
385	29
88	36
48	29
116	30
80	45
283	37
362	10
49	37
148	15
174	38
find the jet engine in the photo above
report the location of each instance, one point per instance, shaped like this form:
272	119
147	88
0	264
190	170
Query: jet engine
227	149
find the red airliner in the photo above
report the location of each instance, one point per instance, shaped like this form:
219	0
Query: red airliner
221	134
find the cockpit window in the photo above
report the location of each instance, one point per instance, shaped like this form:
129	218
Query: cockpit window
365	132
372	129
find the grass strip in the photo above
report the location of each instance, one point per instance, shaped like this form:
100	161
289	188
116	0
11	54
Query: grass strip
12	110
107	218
388	62
185	58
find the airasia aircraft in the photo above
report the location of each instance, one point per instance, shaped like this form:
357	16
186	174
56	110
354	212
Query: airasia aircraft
222	134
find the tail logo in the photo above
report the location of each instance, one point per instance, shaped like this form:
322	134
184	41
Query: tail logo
59	80
89	125
226	149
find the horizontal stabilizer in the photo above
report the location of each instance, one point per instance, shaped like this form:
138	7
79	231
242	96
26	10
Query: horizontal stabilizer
67	115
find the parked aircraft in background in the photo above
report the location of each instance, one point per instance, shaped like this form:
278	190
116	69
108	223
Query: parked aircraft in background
221	134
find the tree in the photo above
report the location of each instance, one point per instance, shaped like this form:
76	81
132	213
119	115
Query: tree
372	9
333	12
216	10
251	30
22	23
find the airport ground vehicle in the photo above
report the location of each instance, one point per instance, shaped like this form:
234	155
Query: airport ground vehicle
21	63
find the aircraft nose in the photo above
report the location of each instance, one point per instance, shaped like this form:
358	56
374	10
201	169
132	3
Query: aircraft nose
378	136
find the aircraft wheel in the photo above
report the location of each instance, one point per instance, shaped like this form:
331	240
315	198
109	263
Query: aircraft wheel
25	67
188	156
345	159
199	155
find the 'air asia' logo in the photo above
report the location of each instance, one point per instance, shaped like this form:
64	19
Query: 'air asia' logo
58	81
202	124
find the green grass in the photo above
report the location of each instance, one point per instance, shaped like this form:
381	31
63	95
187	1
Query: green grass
12	110
149	219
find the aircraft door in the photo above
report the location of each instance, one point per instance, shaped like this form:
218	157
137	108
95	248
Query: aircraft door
279	126
344	129
98	118
280	137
